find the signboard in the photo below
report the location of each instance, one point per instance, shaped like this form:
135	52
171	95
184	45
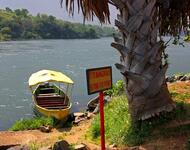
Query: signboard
99	79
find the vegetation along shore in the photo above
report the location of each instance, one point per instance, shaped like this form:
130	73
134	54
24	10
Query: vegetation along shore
121	133
20	25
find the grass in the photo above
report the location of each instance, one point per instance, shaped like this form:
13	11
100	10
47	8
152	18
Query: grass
116	89
115	126
119	128
33	123
180	96
34	146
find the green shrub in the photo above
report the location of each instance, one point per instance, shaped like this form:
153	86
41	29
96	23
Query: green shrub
116	89
117	120
33	123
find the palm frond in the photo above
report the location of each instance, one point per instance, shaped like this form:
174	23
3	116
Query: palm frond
89	8
174	16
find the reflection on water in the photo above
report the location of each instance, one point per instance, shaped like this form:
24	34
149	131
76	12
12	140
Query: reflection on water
19	59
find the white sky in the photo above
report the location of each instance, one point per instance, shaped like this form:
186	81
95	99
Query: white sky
50	7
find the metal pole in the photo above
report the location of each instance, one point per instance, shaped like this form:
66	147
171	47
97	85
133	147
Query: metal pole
101	102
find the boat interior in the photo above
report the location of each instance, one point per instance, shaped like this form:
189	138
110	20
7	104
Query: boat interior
51	97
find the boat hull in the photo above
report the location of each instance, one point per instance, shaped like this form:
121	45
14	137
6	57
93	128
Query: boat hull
59	114
51	104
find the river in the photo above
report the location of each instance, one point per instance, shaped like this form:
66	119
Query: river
19	59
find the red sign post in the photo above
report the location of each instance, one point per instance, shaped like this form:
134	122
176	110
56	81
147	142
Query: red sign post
98	80
102	133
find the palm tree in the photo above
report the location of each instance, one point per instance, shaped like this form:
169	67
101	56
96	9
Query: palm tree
142	60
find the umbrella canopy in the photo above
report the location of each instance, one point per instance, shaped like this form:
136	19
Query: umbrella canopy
48	76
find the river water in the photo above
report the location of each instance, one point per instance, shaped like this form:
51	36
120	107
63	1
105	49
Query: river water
19	59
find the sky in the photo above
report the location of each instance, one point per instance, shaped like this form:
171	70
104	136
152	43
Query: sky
50	7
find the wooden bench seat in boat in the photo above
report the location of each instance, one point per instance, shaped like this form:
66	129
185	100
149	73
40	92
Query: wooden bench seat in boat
54	106
50	97
47	90
50	101
60	107
47	94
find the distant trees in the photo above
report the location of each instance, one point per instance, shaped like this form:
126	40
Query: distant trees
5	33
19	24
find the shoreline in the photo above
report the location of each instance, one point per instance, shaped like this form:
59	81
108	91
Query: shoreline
20	40
169	79
77	133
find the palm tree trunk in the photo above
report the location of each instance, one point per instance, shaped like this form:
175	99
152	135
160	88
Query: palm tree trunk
141	58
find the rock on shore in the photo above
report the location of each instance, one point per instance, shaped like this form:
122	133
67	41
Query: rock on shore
180	77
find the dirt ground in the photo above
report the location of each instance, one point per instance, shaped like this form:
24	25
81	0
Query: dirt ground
76	134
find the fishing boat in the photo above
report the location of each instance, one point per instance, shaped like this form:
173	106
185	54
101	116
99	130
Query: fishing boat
93	104
51	92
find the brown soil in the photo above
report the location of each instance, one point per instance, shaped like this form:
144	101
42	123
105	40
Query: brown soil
180	87
171	143
76	134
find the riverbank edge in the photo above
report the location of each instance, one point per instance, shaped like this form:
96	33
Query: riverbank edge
38	39
176	78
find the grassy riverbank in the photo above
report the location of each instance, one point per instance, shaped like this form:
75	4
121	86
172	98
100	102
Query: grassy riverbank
32	123
168	131
119	128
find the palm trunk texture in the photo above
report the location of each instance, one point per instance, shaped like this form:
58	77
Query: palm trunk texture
141	58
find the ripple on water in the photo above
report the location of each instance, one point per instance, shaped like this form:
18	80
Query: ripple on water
68	66
28	114
5	89
3	106
69	71
18	107
12	95
14	66
25	99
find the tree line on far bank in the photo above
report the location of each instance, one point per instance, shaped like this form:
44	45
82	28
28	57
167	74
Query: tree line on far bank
19	24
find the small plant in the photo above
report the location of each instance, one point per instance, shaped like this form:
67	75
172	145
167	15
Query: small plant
117	89
179	74
187	74
61	137
34	146
72	147
33	123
